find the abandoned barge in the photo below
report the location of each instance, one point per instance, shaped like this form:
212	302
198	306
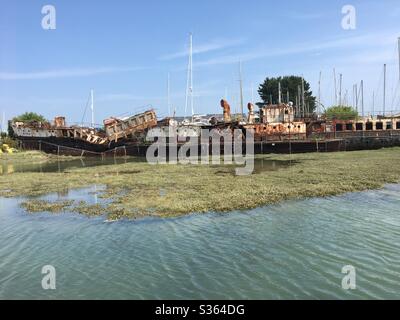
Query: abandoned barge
277	129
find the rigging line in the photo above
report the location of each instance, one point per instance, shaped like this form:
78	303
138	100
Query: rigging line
84	113
394	94
380	83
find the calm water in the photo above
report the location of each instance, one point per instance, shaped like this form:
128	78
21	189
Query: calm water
292	250
7	168
60	166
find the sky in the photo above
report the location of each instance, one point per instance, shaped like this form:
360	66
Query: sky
124	51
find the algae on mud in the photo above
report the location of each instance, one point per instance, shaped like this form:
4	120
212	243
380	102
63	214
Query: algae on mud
139	189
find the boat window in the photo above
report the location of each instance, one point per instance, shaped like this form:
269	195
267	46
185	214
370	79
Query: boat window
349	126
389	126
379	126
398	125
368	126
359	126
339	127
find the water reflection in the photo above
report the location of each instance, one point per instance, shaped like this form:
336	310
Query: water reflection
63	165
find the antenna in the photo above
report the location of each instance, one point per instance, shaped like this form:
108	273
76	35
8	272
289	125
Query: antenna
241	89
189	84
92	105
384	89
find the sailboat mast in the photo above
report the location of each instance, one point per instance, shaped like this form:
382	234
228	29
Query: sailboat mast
334	80
373	103
319	92
302	97
399	55
252	93
191	74
340	89
92	105
189	84
168	95
241	89
356	88
3	122
279	93
362	97
384	89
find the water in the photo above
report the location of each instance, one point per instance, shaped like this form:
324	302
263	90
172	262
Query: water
61	166
291	250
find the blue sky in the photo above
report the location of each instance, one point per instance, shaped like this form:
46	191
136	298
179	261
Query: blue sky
125	49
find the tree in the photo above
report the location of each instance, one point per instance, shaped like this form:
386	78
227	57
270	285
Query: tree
341	113
270	88
30	116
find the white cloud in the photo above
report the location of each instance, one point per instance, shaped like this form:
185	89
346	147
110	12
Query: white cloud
214	45
366	40
63	73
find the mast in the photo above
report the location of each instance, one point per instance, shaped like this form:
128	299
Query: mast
252	93
340	89
279	93
356	88
373	103
92	105
168	95
299	101
384	89
319	92
241	89
399	55
302	96
334	80
3	122
189	84
362	98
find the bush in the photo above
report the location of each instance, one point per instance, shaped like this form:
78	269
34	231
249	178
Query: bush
341	113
